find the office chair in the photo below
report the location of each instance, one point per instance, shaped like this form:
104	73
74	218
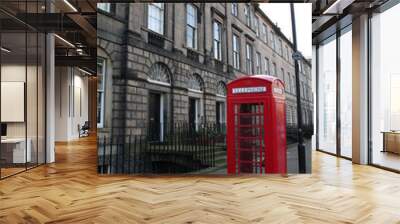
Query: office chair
84	130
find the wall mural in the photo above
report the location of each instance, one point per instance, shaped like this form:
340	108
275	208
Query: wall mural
176	120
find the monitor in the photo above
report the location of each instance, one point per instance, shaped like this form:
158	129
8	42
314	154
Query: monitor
3	129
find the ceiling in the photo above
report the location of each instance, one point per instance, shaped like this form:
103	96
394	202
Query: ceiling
74	22
331	15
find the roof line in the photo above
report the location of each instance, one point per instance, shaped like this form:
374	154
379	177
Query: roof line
277	29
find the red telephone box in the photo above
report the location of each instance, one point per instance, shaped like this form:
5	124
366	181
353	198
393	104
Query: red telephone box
256	127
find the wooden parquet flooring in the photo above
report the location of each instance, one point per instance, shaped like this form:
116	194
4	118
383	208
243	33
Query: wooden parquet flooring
70	191
8	171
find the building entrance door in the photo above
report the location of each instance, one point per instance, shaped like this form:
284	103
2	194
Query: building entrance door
220	116
218	113
154	116
192	113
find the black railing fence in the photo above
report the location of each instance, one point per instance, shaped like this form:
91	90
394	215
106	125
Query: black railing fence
166	148
291	132
180	147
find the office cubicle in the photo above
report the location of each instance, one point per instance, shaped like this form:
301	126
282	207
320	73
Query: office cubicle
22	95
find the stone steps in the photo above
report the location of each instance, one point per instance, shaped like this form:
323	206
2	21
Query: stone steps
220	164
212	170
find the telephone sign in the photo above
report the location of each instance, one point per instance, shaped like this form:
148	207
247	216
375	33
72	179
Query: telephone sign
259	89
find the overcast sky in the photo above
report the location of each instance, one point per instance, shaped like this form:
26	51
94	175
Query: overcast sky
280	13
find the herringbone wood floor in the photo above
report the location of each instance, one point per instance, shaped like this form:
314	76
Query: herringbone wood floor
70	191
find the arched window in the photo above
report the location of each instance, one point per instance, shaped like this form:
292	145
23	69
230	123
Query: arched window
195	85
221	89
195	82
160	73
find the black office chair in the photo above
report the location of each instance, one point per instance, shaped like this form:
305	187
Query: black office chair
84	130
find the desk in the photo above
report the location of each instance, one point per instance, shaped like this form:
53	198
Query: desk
15	148
391	141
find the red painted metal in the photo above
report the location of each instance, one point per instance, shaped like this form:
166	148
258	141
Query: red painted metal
256	125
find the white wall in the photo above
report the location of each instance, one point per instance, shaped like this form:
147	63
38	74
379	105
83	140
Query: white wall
71	102
12	73
33	126
61	103
80	112
16	73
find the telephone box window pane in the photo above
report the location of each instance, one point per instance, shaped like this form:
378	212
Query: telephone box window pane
249	138
250	131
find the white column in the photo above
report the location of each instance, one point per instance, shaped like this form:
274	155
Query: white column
360	90
50	101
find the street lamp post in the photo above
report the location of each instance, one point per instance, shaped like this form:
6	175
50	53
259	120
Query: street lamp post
300	147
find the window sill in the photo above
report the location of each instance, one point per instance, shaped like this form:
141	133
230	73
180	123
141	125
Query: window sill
192	49
236	69
157	34
105	12
159	82
193	54
218	64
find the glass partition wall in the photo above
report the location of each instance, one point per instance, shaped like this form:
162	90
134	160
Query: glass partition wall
385	89
345	65
327	95
334	90
334	94
22	107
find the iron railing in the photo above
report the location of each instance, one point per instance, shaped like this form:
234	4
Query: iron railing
291	132
166	148
170	148
156	39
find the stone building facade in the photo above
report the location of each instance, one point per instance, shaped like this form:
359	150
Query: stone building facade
170	62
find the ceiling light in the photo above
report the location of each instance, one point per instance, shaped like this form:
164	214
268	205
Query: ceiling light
79	51
331	7
5	50
70	5
64	40
338	6
84	71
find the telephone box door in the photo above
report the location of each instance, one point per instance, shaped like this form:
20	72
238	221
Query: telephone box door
249	131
